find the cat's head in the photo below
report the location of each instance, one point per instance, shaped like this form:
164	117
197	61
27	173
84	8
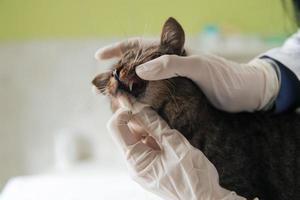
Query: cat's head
122	76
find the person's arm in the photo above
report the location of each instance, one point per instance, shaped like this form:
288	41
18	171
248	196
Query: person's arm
229	86
176	170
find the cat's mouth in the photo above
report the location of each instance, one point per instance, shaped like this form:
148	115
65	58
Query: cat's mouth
133	85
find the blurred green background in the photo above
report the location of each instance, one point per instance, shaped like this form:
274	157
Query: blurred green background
28	19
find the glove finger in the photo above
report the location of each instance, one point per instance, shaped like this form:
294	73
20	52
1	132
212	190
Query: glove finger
118	127
164	67
126	136
140	156
149	120
171	141
151	142
117	49
109	51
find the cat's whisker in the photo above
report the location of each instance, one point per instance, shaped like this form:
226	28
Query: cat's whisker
135	59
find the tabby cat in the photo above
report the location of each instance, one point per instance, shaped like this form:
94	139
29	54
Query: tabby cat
256	154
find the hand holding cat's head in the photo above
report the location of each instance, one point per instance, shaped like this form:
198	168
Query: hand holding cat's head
122	76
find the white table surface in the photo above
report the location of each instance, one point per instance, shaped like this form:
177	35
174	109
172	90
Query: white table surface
81	183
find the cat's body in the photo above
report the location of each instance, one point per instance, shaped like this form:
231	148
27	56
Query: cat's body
256	155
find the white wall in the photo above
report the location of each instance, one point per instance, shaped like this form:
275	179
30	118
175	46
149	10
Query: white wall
45	87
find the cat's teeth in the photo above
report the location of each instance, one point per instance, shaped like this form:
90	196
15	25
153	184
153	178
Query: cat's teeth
130	86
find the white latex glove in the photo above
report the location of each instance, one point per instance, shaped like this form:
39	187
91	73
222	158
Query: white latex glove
173	169
229	86
117	49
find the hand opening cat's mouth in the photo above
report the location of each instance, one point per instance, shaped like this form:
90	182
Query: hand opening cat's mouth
133	85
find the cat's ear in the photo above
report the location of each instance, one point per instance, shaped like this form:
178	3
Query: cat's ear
172	37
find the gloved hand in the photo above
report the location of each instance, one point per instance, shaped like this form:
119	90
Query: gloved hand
164	162
229	86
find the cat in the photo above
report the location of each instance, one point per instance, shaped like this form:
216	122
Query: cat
256	154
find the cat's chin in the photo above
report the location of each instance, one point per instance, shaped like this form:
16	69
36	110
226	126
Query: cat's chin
125	100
